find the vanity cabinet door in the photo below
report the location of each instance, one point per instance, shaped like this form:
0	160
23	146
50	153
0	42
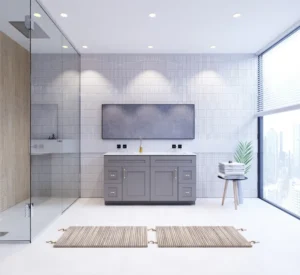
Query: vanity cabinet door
136	183
164	184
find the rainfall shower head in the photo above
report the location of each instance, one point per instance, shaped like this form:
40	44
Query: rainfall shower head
27	26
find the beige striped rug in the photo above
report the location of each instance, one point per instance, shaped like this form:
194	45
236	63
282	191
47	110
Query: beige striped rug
104	236
200	236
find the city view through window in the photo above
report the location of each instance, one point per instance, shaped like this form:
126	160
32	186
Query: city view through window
281	160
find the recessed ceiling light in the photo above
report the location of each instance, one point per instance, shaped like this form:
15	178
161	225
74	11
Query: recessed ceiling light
212	47
65	46
236	15
85	47
37	15
150	47
63	15
152	15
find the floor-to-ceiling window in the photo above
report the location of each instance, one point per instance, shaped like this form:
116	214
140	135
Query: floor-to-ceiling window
279	121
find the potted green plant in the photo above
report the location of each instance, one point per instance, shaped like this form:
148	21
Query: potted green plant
244	154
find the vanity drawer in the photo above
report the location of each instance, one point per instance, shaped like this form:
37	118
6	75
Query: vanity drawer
113	192
187	175
112	174
173	161
187	192
126	161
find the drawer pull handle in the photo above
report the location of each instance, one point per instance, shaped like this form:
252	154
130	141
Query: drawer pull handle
112	175
187	192
124	174
187	175
175	174
113	193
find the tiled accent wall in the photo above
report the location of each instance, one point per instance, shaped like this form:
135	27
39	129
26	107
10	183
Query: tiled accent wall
41	176
222	87
55	175
44	122
55	81
65	179
55	105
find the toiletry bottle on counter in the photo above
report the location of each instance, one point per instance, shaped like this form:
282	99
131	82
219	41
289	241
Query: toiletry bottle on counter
141	148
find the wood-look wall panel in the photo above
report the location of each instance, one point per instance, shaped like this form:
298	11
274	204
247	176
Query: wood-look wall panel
14	123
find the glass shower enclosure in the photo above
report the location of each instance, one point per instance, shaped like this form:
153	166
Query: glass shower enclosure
40	121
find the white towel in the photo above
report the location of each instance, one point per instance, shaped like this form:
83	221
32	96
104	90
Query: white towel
232	164
233	177
233	173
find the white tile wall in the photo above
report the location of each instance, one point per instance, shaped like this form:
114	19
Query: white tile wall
44	120
41	176
222	87
55	80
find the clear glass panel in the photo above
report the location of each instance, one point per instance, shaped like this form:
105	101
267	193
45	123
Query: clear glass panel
70	125
14	120
281	160
46	121
55	123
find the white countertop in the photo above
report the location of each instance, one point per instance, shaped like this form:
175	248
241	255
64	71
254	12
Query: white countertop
150	154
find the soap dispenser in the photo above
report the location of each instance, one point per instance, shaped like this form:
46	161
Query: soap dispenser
141	148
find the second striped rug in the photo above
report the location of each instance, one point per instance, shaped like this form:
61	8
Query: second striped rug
200	236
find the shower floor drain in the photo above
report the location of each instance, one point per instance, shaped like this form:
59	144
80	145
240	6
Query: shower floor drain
2	234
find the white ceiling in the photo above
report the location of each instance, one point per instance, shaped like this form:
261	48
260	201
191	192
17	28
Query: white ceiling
181	26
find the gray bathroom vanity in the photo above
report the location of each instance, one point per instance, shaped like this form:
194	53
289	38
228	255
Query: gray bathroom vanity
149	178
